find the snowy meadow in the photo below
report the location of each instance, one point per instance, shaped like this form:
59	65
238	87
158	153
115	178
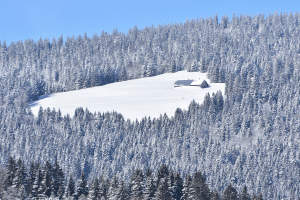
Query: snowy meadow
134	99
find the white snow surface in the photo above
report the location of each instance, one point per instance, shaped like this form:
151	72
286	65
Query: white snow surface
134	99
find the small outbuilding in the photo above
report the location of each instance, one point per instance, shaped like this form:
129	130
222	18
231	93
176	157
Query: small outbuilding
204	84
200	83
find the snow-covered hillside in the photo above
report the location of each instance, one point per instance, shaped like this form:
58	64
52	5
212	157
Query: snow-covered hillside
137	98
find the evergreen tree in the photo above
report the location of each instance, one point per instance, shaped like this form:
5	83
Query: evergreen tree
172	66
37	187
41	190
151	69
163	172
144	70
113	188
259	197
122	192
61	192
79	80
136	184
47	180
123	74
17	189
178	187
186	192
11	169
194	66
103	187
148	173
163	190
71	187
30	179
94	192
171	182
82	189
203	67
230	193
58	181
108	74
20	178
150	188
244	195
215	195
201	190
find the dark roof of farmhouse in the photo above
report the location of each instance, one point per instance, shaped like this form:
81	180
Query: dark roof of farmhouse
183	82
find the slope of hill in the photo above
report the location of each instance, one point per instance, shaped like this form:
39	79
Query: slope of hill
137	98
252	138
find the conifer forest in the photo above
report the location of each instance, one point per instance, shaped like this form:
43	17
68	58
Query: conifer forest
243	144
47	182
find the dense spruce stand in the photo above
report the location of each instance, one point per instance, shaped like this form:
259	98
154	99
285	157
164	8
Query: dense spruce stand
49	183
248	136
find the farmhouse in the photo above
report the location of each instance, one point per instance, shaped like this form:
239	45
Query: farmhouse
180	83
200	83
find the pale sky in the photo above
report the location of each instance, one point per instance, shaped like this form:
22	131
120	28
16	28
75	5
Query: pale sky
32	19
